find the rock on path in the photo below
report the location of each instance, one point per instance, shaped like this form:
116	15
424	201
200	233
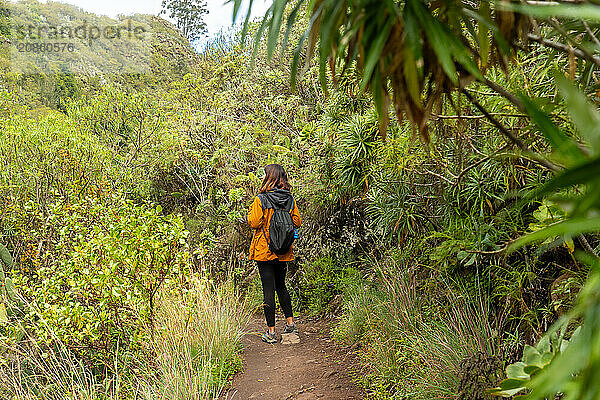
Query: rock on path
290	338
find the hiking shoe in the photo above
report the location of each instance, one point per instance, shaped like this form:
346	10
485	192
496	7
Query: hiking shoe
290	328
269	337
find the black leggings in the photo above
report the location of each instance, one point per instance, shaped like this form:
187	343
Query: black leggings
272	276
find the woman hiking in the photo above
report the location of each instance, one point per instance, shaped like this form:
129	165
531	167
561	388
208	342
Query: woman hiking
271	246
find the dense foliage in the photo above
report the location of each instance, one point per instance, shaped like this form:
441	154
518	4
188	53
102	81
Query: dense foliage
124	203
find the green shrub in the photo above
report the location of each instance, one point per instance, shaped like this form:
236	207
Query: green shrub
356	312
192	355
94	272
321	281
135	129
46	158
9	104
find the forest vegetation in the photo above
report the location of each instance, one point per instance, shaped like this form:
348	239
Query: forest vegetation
450	197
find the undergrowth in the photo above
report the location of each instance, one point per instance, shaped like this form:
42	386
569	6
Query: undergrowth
419	342
192	352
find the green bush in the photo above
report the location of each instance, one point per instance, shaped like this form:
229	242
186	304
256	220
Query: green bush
46	158
321	281
192	354
134	128
93	271
356	312
9	104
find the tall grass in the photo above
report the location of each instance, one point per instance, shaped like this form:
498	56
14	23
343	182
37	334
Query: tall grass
194	350
30	373
418	345
33	370
198	342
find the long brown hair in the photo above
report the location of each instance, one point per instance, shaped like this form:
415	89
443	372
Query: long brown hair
275	177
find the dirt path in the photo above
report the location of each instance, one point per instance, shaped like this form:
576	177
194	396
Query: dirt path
314	369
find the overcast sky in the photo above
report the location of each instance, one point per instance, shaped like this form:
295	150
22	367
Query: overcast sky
219	14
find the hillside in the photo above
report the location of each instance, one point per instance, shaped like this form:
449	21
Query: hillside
88	52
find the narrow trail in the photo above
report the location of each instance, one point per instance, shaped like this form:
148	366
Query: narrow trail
316	368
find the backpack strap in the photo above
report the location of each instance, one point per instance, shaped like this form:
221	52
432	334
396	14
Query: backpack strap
266	215
266	239
265	204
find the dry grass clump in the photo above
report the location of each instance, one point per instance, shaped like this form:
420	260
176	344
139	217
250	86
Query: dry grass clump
198	341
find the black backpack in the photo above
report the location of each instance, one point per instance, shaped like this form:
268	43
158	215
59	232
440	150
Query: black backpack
281	229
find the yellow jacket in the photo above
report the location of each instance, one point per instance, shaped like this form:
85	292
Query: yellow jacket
259	220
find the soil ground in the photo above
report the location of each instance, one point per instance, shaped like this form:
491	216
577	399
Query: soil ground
316	368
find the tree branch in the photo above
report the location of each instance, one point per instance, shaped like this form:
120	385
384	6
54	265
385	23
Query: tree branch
510	135
504	93
554	22
564	47
591	34
435	116
505	131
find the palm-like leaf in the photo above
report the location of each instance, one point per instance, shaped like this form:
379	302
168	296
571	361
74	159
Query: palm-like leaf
419	49
583	171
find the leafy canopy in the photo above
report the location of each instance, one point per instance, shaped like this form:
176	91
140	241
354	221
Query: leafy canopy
189	16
